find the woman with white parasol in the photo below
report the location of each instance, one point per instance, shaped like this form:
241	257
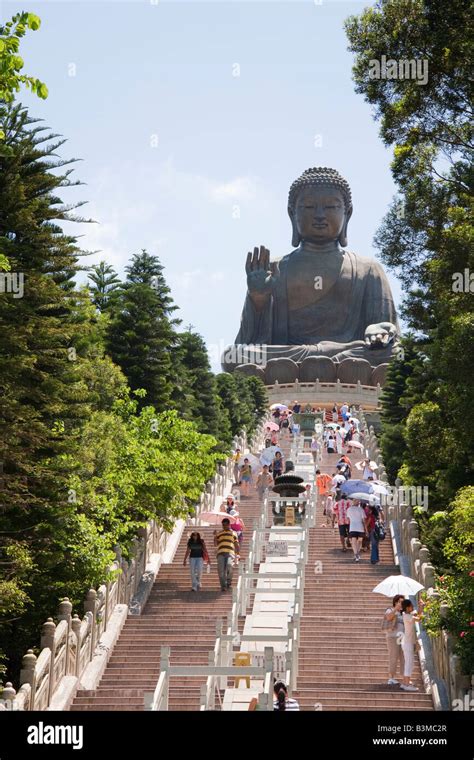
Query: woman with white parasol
400	586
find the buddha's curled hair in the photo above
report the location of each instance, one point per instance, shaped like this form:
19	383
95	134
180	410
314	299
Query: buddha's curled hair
324	177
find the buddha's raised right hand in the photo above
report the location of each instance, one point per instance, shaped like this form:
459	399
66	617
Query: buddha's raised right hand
261	275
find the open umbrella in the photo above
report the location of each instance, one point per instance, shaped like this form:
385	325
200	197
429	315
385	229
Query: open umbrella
370	498
379	488
362	486
272	426
212	518
355	445
398	584
253	461
268	455
281	407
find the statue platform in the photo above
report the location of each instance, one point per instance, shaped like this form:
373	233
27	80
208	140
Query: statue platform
325	394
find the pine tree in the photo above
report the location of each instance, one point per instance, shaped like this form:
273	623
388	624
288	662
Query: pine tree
200	382
106	282
141	335
43	400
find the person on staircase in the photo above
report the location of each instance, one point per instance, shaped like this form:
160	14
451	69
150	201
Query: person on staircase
357	528
339	509
246	477
340	435
374	516
323	483
228	550
235	459
277	465
229	504
393	627
268	437
264	481
197	553
314	446
409	643
282	701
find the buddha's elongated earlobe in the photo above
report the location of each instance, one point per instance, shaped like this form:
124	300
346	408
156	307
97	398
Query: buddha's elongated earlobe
296	238
342	239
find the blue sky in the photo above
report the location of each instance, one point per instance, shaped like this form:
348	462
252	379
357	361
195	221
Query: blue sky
192	119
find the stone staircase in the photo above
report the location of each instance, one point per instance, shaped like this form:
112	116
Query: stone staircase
343	658
174	616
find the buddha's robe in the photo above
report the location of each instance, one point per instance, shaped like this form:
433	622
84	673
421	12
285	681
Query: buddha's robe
334	325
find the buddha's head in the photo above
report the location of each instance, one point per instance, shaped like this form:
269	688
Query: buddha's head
320	206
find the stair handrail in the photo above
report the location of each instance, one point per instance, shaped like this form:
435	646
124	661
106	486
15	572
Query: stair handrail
405	535
41	675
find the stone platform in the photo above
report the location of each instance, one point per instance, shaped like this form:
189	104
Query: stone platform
324	394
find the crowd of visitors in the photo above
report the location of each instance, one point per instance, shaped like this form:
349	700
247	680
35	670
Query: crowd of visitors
358	521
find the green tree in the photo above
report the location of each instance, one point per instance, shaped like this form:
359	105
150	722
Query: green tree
427	236
141	335
11	63
200	382
427	239
43	399
105	283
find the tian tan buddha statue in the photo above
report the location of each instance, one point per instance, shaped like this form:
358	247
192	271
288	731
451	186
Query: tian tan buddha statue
321	310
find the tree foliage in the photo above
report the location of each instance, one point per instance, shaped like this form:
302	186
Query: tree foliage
426	239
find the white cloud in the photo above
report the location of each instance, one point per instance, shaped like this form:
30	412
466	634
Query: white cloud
239	189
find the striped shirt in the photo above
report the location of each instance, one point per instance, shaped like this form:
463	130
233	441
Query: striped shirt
227	542
340	510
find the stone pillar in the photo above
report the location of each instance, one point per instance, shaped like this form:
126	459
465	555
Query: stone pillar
90	605
76	630
429	575
28	674
8	692
47	640
65	611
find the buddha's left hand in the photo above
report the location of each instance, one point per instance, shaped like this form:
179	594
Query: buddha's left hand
380	335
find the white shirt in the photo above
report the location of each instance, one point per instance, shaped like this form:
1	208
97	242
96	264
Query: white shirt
409	626
344	409
337	479
356	517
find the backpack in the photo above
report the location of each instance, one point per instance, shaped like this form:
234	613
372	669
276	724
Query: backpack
379	531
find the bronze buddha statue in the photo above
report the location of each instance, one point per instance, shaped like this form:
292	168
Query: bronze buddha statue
320	300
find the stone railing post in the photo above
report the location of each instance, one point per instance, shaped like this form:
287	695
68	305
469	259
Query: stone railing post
8	693
76	623
65	613
91	605
28	674
47	640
